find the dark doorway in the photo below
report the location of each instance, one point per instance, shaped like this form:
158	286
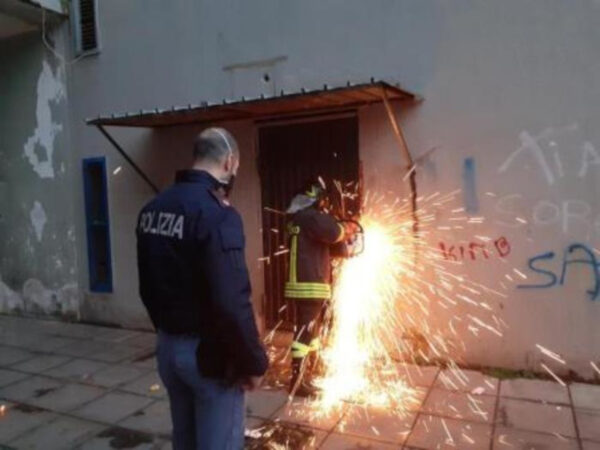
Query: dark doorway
290	155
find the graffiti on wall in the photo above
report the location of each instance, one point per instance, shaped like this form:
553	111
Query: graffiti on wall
570	216
475	250
573	216
545	152
550	270
578	262
470	186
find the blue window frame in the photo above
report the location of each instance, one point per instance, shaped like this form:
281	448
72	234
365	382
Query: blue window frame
97	224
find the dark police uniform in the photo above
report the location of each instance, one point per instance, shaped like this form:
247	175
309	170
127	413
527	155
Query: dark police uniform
194	280
315	237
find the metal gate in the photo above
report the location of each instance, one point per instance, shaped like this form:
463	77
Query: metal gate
290	155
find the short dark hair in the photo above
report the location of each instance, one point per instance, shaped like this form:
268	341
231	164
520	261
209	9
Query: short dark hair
214	144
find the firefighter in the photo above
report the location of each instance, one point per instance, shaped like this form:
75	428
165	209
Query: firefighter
315	237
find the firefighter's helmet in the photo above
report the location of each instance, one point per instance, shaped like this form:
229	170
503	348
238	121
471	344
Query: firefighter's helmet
312	194
315	191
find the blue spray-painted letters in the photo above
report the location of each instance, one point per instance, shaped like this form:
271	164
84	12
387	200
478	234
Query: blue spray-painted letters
590	261
470	187
569	257
547	273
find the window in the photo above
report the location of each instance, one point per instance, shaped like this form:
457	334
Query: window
85	26
97	224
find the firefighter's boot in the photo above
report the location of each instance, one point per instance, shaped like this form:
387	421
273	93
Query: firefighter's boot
300	384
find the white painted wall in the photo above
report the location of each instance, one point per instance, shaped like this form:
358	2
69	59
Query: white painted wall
161	154
495	76
38	265
514	89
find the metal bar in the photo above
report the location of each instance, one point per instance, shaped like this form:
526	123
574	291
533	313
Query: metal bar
410	167
306	118
128	159
397	131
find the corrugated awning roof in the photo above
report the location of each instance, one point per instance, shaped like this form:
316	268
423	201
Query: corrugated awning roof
328	98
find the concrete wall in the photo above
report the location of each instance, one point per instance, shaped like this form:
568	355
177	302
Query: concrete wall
38	264
160	154
511	101
510	110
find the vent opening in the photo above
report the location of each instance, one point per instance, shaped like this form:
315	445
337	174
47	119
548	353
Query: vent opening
85	21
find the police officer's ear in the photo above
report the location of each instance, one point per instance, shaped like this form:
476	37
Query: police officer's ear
228	166
232	162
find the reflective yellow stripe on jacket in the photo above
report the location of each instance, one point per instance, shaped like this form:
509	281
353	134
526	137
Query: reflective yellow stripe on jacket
300	350
302	289
308	290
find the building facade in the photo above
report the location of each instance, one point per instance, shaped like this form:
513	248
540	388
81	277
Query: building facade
508	100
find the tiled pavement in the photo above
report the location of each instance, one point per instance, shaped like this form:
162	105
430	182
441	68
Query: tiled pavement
75	386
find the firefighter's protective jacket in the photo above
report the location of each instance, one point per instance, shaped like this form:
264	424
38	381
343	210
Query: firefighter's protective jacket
193	275
315	237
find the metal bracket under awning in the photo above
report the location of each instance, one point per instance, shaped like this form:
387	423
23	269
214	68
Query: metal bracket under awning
132	163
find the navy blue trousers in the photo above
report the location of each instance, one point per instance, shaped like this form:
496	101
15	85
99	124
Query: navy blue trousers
206	413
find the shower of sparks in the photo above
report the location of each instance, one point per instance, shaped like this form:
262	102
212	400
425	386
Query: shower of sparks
450	440
595	367
553	375
385	301
550	354
363	323
560	436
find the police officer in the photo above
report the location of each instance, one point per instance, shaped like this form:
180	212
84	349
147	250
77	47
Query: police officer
194	283
315	238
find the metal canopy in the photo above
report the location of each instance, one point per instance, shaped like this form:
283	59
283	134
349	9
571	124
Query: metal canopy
286	104
328	98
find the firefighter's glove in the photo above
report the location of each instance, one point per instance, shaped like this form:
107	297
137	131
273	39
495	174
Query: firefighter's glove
350	230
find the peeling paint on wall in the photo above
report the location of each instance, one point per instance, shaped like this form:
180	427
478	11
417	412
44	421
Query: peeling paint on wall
39	147
38	219
10	301
36	298
39	299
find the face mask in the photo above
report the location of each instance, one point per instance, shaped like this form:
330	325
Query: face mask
228	185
